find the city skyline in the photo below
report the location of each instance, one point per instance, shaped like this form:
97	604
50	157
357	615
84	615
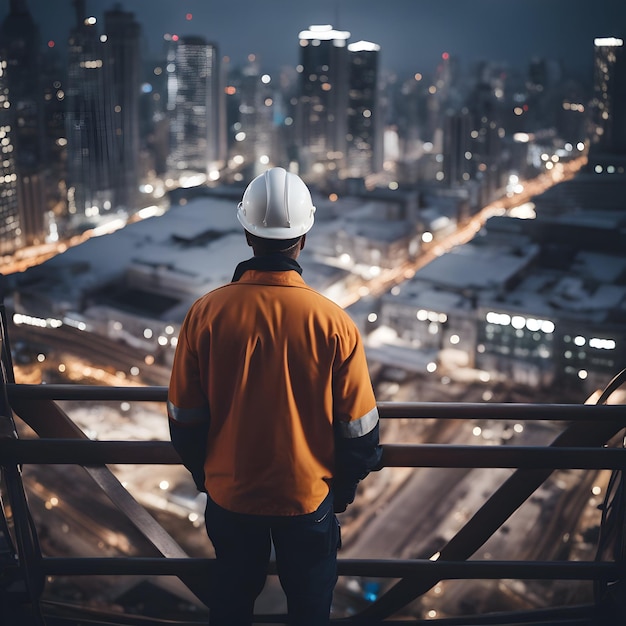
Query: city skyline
483	260
412	34
344	117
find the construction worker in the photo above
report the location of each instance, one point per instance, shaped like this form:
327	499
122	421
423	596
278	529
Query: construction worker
271	409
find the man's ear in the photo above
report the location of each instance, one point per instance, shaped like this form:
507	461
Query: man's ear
302	241
248	238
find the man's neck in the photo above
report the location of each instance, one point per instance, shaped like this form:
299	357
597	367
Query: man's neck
277	262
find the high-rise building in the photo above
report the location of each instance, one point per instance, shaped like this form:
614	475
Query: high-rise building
193	103
20	41
322	101
122	56
485	105
23	127
364	123
55	134
91	149
102	115
608	133
10	229
254	132
457	147
153	119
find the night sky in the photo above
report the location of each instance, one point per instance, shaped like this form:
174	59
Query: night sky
412	33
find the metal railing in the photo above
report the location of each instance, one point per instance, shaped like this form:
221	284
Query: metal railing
580	445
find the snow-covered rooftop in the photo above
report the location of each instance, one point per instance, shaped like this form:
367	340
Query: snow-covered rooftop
476	267
195	245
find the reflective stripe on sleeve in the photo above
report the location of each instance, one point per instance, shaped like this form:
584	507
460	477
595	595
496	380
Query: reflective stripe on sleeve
360	426
187	416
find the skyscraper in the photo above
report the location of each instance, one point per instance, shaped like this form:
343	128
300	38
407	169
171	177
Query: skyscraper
322	101
123	57
255	134
485	106
20	42
153	120
55	136
457	147
102	120
364	127
10	229
92	150
608	134
193	103
23	128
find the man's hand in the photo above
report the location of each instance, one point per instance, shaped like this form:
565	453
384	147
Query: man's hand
343	495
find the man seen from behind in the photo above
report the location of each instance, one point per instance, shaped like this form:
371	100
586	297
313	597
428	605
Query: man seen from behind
271	409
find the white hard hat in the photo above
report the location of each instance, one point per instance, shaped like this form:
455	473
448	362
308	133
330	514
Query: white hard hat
276	205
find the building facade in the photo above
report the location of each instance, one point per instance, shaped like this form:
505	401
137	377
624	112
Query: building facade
364	131
122	54
10	229
193	103
608	133
322	101
23	111
91	145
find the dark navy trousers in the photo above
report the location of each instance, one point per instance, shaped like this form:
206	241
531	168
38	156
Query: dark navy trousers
306	559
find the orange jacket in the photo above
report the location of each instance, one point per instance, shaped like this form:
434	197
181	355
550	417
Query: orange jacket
276	372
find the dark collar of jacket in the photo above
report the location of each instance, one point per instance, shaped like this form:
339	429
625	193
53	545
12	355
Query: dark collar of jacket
267	263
